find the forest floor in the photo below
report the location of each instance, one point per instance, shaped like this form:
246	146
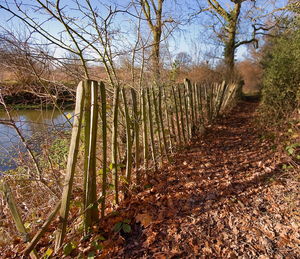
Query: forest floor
225	196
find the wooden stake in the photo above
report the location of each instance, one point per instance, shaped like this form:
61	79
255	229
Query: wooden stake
91	214
42	230
87	125
72	158
145	129
128	140
151	129
136	133
169	123
157	123
4	187
104	147
190	104
177	115
186	111
182	122
114	145
162	126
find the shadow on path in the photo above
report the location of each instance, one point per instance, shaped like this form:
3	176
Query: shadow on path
214	201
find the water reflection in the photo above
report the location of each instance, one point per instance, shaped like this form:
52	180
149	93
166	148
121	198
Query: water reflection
37	126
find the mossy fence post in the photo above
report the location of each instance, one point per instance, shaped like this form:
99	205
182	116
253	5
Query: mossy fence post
136	133
104	147
87	125
190	106
42	230
182	122
70	171
114	145
177	117
162	125
4	187
128	141
158	125
151	129
91	113
145	129
168	116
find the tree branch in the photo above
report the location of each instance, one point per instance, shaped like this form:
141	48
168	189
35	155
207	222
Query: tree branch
219	9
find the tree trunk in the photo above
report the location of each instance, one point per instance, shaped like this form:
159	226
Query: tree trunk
156	54
230	43
229	53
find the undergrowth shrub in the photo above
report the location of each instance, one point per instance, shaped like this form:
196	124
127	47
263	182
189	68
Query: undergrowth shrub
280	106
281	81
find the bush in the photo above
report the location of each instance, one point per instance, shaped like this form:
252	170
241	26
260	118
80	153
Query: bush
281	81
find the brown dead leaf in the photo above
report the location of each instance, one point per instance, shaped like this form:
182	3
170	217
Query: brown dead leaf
218	246
207	248
189	185
170	203
150	239
160	255
144	219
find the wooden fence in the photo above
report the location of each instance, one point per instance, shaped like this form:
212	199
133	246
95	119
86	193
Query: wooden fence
138	130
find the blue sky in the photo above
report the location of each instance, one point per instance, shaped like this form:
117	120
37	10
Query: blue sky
181	41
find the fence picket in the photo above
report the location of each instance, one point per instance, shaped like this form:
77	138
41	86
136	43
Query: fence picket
104	146
72	159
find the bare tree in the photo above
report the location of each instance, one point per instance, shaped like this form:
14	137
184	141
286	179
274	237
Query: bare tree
161	24
155	24
184	60
19	57
86	30
231	22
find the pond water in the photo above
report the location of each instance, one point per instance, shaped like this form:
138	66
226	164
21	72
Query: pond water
37	126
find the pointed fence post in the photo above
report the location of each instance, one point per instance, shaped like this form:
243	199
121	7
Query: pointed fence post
177	115
70	171
136	134
162	126
211	96
104	147
222	95
87	125
182	122
114	145
4	187
196	104
42	230
190	104
145	129
201	107
158	125
151	129
168	119
206	100
128	143
91	209
186	112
